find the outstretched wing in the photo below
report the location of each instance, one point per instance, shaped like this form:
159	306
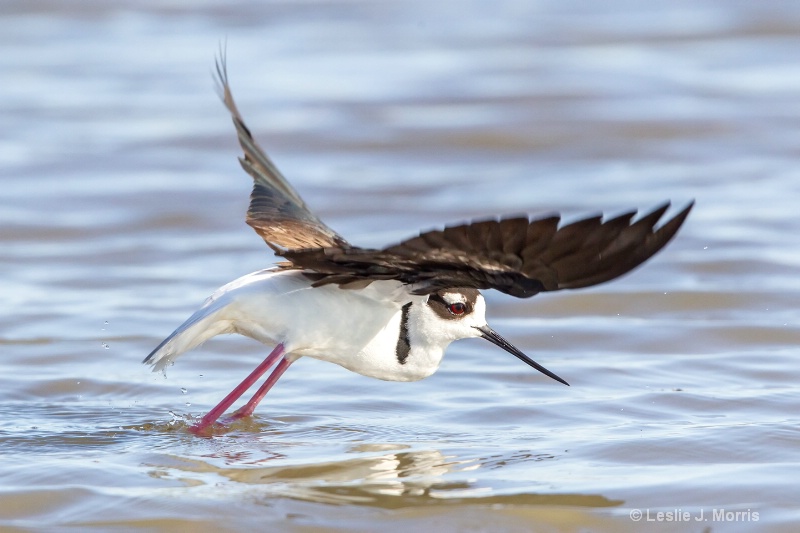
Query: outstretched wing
513	255
276	211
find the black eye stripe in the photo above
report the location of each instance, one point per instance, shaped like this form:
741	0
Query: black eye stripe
437	298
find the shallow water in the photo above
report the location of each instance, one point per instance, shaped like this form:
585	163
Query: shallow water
122	208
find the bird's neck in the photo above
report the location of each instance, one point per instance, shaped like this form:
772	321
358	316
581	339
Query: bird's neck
420	348
405	350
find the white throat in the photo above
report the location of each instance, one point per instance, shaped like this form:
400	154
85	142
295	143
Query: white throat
427	336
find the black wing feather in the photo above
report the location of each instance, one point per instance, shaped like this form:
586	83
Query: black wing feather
514	255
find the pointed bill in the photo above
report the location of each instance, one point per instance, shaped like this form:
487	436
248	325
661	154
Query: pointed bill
492	336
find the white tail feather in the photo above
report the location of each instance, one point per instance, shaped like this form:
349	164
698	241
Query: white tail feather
200	327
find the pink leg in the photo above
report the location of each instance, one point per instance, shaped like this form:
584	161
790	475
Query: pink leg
249	407
240	389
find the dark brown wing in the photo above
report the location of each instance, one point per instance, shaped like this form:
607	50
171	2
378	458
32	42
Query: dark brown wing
513	255
276	212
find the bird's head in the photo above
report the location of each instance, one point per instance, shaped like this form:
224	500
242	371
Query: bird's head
453	314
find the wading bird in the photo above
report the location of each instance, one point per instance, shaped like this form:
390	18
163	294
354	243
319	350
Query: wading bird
391	313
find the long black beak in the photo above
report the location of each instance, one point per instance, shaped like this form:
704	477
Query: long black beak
492	336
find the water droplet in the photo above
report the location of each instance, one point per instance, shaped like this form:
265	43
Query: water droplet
183	391
105	345
188	404
106	322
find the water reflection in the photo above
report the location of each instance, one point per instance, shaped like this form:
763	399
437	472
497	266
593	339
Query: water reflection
389	476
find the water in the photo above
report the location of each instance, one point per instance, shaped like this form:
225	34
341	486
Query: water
122	208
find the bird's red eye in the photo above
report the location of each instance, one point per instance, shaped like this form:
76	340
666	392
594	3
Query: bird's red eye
457	308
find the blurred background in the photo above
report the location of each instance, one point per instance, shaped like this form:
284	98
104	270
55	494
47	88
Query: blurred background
122	208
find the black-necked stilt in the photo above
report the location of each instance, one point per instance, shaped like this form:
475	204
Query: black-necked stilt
391	313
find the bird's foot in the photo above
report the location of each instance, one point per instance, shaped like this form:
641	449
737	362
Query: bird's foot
238	415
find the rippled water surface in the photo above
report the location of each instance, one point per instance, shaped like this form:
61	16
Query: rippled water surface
122	208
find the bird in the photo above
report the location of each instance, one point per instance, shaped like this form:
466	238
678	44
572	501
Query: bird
391	313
